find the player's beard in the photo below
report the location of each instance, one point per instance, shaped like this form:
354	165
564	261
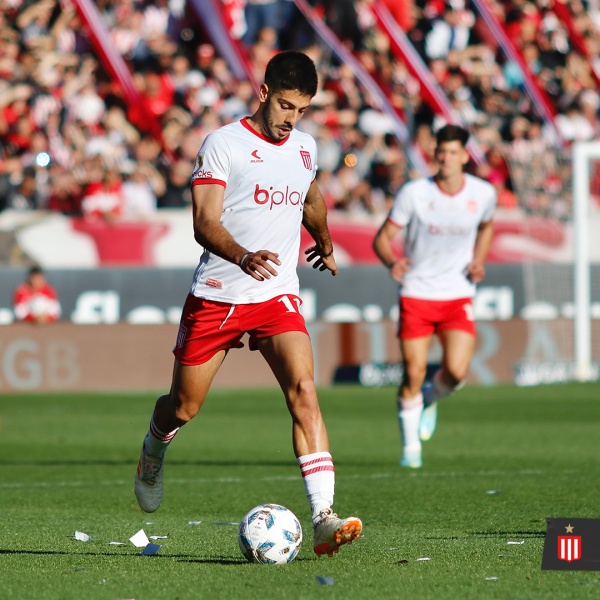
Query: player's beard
272	129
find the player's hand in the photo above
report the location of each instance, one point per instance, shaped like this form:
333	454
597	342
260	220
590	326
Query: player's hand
399	268
257	264
475	272
321	262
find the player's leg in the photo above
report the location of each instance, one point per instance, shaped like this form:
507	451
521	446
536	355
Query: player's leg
290	357
410	399
190	385
458	346
206	332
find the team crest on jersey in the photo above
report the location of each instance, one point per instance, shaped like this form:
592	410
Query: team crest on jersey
306	159
200	160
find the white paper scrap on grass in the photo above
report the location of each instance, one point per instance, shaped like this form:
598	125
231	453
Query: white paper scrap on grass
518	543
82	537
424	558
158	537
491	579
140	539
151	550
194	522
116	543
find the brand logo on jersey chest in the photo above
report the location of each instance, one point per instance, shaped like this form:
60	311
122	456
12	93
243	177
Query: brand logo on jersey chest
274	197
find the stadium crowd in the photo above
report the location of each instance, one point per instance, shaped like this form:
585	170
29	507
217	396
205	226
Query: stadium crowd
68	142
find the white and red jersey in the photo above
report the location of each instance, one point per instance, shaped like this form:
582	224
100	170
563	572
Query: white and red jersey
265	187
31	304
441	230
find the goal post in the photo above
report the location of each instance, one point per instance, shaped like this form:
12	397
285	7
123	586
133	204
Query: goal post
583	154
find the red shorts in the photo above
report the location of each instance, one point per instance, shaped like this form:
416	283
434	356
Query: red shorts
421	318
208	327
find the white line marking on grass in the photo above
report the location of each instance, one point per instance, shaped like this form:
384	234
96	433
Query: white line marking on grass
236	480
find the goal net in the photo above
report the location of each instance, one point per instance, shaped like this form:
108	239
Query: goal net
559	197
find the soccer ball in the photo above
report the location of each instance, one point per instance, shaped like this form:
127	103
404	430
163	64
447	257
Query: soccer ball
270	534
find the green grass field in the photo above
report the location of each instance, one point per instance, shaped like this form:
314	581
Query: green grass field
67	464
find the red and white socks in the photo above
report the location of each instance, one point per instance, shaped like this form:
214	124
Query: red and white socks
157	441
319	480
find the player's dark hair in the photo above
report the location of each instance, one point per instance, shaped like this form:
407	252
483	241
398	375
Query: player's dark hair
452	133
292	70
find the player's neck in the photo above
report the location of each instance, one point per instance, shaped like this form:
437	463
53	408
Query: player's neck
257	123
451	184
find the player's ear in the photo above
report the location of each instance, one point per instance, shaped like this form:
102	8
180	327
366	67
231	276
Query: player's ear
465	156
263	92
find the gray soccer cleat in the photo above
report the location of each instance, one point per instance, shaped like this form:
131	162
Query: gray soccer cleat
149	482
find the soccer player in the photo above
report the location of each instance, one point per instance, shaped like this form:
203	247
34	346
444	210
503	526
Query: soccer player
35	300
449	229
253	187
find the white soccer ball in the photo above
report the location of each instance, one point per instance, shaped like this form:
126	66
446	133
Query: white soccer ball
270	534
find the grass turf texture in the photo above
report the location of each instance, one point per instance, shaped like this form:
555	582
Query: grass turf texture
67	464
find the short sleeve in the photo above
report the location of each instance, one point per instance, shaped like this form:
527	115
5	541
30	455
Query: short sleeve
213	161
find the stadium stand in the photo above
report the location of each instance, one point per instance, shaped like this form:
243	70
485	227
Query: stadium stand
73	142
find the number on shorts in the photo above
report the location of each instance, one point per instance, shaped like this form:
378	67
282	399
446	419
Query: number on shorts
468	308
288	304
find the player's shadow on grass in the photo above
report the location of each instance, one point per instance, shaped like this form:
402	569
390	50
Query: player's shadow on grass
171	463
222	560
215	560
35	552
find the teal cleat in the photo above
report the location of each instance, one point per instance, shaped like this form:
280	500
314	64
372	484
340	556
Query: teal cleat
428	422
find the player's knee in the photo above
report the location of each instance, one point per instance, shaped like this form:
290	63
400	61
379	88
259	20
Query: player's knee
185	408
303	397
455	378
414	375
306	391
451	379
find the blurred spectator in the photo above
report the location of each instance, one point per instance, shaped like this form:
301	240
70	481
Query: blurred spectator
141	186
260	14
450	31
65	192
24	195
177	192
35	300
388	171
573	125
58	101
104	197
590	106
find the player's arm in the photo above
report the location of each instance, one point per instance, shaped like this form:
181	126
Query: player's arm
314	220
207	202
383	247
483	243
